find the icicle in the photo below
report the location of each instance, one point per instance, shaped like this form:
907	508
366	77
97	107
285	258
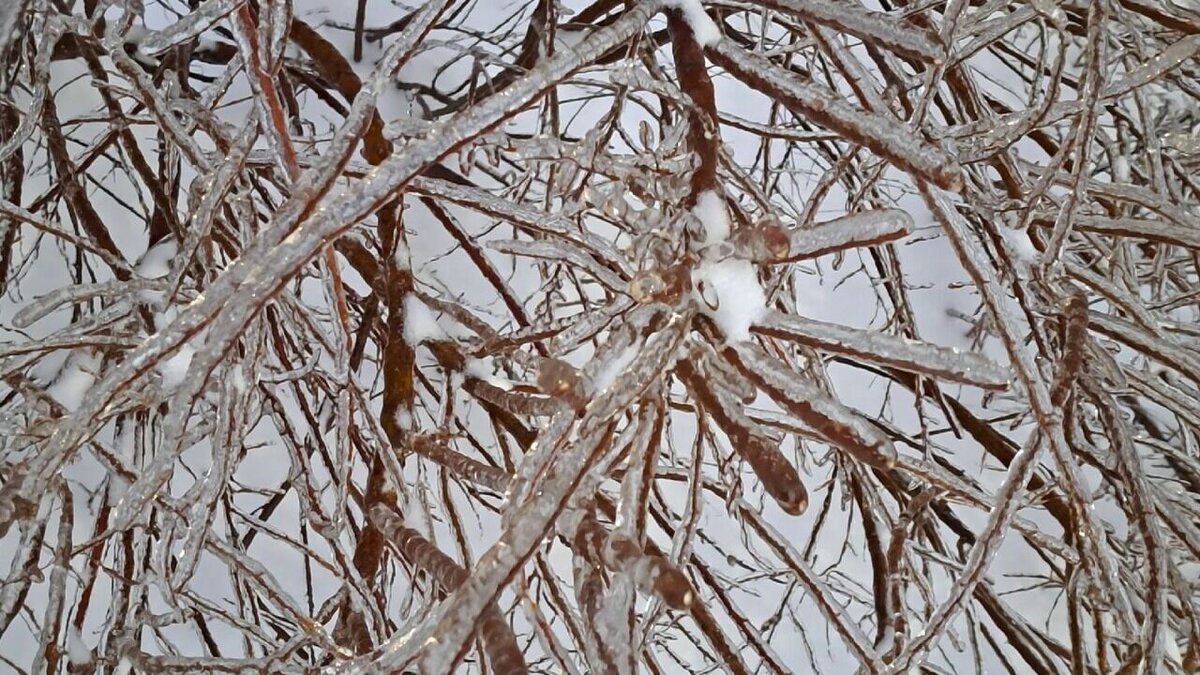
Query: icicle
561	380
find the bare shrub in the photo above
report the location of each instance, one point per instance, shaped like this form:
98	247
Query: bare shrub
646	336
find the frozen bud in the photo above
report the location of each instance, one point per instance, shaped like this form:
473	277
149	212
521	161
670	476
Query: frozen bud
645	134
561	380
678	281
322	526
791	496
775	238
778	477
669	283
614	204
765	241
646	286
672	586
661	251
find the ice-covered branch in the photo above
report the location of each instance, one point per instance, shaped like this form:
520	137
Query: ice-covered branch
883	135
875	28
943	363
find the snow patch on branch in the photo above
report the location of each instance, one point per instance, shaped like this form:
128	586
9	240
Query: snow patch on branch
419	322
729	293
1020	247
155	263
481	370
616	367
75	380
726	288
174	368
402	256
710	211
703	28
403	418
78	653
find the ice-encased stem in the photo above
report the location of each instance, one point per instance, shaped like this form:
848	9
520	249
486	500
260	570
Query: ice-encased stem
875	28
885	136
922	358
504	654
191	25
867	228
836	423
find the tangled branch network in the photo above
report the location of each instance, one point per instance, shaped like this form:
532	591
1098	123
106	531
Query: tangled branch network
616	336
